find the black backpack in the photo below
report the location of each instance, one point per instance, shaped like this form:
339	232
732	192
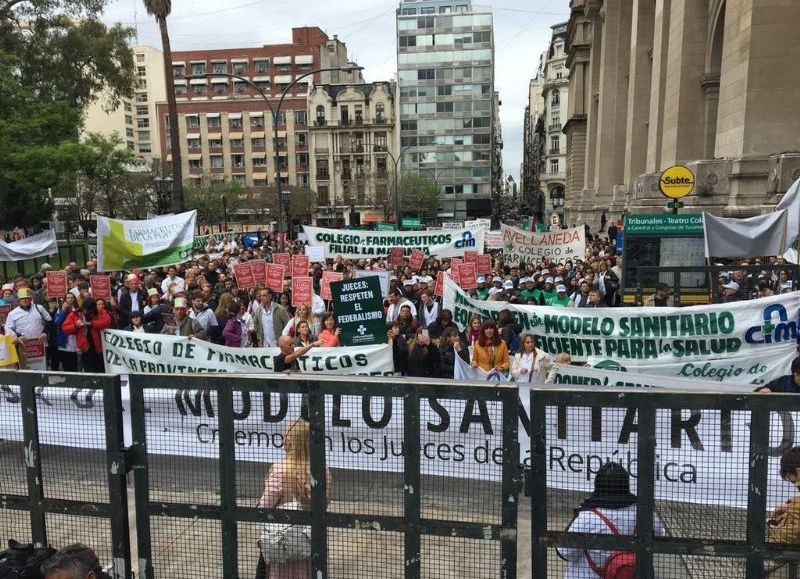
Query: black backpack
23	561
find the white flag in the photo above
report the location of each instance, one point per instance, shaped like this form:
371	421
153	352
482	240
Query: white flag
463	371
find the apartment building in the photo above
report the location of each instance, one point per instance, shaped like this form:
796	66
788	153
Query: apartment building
135	120
353	149
445	63
226	128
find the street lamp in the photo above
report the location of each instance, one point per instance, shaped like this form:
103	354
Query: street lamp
225	212
350	67
163	188
284	201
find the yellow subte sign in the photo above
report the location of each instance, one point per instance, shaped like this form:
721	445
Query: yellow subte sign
676	182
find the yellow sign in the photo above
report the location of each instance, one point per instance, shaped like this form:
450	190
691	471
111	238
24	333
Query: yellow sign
676	182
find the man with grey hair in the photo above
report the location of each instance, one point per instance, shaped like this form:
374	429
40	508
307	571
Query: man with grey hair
75	561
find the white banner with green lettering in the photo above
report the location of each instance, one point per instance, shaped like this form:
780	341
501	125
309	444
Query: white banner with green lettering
371	244
127	245
521	247
731	338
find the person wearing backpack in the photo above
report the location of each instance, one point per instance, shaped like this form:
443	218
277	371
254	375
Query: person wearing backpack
610	510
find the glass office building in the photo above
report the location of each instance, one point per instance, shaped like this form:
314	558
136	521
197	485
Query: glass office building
445	63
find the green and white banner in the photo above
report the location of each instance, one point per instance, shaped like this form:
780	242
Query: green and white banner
126	245
521	247
734	335
135	353
371	244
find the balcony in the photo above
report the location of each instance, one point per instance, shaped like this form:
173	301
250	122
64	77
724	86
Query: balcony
320	122
323	176
322	150
556	151
554	128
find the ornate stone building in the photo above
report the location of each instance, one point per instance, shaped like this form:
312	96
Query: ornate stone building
706	83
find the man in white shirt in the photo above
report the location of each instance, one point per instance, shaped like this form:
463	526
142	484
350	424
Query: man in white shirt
172	278
397	301
428	309
26	323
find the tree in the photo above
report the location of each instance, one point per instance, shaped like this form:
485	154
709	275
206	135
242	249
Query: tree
418	194
161	9
207	200
302	202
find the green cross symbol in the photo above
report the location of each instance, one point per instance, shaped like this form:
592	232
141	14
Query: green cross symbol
768	326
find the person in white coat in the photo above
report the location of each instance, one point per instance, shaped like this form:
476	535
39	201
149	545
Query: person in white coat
612	502
530	364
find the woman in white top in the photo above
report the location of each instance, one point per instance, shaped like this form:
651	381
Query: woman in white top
612	502
303	313
530	364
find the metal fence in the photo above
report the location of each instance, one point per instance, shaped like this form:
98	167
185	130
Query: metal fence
704	284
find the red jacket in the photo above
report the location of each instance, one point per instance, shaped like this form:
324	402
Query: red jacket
96	324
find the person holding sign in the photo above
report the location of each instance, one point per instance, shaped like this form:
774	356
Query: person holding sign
181	324
491	352
66	344
87	325
27	323
329	336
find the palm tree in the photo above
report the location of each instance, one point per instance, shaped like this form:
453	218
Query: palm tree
161	9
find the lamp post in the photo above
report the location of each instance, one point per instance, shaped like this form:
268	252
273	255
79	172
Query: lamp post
225	212
163	187
275	114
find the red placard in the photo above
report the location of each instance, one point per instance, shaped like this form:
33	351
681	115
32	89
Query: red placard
259	271
282	259
300	265
455	272
325	283
101	287
274	275
4	314
467	276
416	259
244	275
56	284
302	291
438	289
470	256
454	263
484	264
396	256
34	348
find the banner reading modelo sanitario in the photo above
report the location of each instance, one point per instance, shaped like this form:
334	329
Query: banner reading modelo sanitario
521	247
130	352
740	333
370	244
126	245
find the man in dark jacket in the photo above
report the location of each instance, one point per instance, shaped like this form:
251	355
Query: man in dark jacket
785	384
132	299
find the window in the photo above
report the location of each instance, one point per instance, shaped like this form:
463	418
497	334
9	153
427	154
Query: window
240	87
259	182
283	67
195	164
344	115
193	143
143	135
258	143
301	139
380	167
235	123
200	89
320	115
323	195
482	139
481	37
257	122
262	85
481	122
141	110
322	169
237	143
427	10
130	145
555	98
261	65
239	180
127	107
279	143
553	165
213	122
129	132
282	119
445	107
142	84
219	67
237	161
554	144
240	68
425	22
178	70
380	113
215	143
217	162
408	12
180	89
406	41
301	159
141	97
444	90
259	162
141	71
380	141
192	122
408	125
426	74
198	68
444	9
142	123
145	148
299	117
140	58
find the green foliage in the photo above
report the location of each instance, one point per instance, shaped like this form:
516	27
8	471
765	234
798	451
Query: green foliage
418	194
207	199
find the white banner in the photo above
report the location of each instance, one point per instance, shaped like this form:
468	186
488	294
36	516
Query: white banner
494	239
131	352
38	245
370	244
741	333
521	247
463	371
127	245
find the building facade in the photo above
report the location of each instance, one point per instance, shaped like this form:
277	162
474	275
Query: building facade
697	82
135	120
353	152
226	128
445	63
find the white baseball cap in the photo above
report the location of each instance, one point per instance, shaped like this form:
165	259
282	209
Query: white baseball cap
497	278
481	279
508	284
561	289
548	280
732	285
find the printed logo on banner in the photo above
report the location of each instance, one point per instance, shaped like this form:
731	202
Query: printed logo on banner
770	332
358	307
467	240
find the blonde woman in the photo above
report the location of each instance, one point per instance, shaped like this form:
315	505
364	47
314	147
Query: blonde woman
530	364
561	358
287	481
302	314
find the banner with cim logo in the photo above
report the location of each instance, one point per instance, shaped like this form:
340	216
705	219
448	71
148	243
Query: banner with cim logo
367	244
521	247
126	245
762	330
358	306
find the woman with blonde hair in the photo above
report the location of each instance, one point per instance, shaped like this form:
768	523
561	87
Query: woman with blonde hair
303	313
530	364
289	481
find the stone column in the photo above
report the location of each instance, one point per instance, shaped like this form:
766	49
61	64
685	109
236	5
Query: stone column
658	83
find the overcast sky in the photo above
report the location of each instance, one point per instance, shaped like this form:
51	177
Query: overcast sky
521	33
